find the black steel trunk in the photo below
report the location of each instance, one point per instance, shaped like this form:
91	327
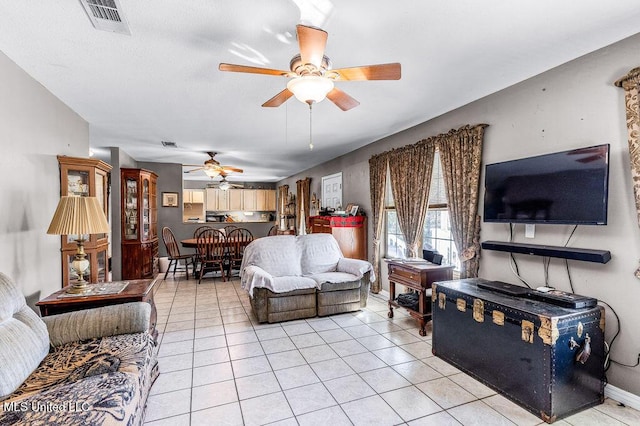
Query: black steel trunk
524	349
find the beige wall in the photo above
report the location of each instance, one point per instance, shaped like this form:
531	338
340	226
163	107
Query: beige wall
35	126
572	106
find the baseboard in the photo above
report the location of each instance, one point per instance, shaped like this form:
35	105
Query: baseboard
627	398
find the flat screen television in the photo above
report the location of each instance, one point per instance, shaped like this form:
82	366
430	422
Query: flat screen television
568	187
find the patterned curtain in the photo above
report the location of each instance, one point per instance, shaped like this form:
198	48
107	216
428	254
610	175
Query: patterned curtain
377	182
283	197
461	158
631	85
410	170
302	204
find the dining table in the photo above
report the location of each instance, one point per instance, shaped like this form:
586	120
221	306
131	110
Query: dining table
193	242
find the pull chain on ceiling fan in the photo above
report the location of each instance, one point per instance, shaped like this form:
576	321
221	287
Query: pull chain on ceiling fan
310	130
312	78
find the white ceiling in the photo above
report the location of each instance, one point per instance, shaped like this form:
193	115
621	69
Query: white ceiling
162	81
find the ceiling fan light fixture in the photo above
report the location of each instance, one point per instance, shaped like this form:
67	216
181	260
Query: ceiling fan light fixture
224	185
211	172
310	88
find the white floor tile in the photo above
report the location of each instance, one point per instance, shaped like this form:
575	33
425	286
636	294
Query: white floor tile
410	403
172	381
218	365
224	415
349	388
372	410
260	384
333	416
280	344
265	409
331	369
296	376
168	404
477	413
384	379
309	398
416	371
213	395
445	392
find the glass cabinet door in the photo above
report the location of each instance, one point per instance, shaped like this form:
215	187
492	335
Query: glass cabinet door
78	183
145	209
102	265
101	194
131	209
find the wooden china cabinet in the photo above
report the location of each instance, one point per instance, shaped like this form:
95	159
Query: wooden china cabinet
86	177
349	231
139	224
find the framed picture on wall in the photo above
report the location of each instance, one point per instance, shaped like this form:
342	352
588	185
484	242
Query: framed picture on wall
169	199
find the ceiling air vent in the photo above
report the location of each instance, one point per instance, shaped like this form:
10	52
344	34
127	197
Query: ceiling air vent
168	144
106	15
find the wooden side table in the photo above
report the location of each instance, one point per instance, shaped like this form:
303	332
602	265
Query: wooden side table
418	277
135	291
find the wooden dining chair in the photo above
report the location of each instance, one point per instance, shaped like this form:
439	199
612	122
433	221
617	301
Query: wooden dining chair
237	241
273	231
173	252
211	252
229	228
200	229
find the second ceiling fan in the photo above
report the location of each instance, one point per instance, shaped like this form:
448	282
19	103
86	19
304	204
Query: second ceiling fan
213	168
312	78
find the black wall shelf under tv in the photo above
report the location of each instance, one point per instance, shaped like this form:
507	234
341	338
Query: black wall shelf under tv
573	253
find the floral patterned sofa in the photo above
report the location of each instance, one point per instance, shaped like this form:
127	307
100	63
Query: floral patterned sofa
91	367
292	277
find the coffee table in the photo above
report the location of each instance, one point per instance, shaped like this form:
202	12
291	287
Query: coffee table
135	291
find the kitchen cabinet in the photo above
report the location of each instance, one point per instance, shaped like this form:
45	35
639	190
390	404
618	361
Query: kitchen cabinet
235	199
248	200
193	205
217	200
139	224
265	200
86	177
193	196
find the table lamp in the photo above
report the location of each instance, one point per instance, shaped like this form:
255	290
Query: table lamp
79	216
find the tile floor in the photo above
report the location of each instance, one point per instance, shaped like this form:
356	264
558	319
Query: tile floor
220	367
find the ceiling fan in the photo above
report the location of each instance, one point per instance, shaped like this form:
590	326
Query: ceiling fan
224	184
312	78
213	168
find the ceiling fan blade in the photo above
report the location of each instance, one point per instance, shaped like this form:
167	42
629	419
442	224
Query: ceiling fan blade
341	99
252	70
278	99
312	43
194	170
229	169
369	72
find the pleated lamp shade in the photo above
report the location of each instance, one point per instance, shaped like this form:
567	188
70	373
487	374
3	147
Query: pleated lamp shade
78	216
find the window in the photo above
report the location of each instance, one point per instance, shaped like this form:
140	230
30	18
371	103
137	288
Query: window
437	226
